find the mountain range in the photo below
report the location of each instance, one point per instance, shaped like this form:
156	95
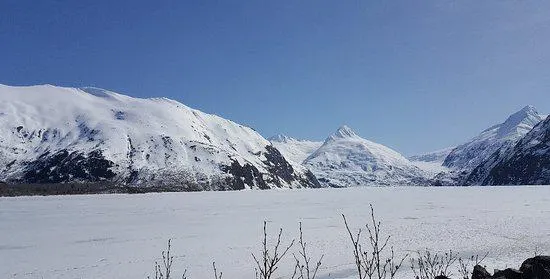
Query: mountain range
345	159
88	135
57	135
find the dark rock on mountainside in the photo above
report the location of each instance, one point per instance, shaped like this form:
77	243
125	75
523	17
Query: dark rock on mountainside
310	180
278	165
65	166
279	169
244	175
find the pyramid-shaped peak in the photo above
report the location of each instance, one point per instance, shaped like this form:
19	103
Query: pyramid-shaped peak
345	131
525	119
529	108
342	133
526	113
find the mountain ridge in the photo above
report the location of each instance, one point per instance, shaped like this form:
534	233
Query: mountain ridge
61	134
525	163
469	155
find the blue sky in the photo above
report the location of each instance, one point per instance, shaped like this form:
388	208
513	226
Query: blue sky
413	75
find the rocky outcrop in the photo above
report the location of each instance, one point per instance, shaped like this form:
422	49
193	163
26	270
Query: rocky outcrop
480	272
537	267
64	166
534	268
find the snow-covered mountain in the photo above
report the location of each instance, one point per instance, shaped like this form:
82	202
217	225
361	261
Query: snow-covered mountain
525	163
53	134
295	150
470	154
345	159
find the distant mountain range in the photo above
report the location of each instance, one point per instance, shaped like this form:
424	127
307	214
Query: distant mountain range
72	135
345	159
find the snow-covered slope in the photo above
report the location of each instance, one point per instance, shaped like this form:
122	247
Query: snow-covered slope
432	163
469	155
52	134
525	163
437	156
293	149
345	159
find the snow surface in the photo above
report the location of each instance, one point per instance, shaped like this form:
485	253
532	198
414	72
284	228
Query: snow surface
120	236
437	156
431	168
293	149
432	162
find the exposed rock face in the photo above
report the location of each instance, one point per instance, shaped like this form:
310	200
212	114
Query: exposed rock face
277	165
280	173
508	273
244	175
64	166
63	135
533	268
537	267
480	272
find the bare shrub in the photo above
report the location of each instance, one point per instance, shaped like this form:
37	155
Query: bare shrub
269	260
374	258
303	268
375	262
430	265
466	265
216	275
165	271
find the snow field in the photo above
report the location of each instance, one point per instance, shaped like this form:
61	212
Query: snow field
120	236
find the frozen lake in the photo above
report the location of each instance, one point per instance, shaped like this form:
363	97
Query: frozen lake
120	236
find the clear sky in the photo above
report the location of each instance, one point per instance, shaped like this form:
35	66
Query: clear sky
413	75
